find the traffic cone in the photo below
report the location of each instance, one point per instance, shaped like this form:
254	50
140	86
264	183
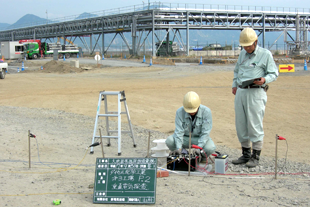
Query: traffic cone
23	66
305	66
151	62
144	59
200	61
102	56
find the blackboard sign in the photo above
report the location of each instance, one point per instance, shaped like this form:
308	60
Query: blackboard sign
125	180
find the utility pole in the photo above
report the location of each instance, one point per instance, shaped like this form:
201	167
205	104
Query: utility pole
46	17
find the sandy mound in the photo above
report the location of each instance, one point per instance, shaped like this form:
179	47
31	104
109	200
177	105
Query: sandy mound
163	62
59	67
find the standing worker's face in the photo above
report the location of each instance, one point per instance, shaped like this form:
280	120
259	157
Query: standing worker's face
250	49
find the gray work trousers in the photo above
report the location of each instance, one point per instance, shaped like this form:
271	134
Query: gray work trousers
249	113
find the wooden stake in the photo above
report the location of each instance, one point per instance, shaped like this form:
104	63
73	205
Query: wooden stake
148	145
29	148
276	159
189	152
101	143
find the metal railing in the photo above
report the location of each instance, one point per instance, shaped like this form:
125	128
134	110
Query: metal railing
169	7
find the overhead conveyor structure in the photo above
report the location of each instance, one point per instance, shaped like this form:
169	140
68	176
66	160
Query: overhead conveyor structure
143	21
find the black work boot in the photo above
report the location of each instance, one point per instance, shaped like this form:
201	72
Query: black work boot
246	155
253	162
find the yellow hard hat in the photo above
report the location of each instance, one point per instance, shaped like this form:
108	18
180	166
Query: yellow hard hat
191	102
247	37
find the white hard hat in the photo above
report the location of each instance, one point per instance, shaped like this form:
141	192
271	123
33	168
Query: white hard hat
191	102
247	37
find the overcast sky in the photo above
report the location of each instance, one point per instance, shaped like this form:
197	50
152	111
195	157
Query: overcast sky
12	10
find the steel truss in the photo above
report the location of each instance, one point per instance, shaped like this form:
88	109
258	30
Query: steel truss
147	22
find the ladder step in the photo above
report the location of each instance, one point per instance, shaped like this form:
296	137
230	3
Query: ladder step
115	131
115	112
108	115
110	92
107	137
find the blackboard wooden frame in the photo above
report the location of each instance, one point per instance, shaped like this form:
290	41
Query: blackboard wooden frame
125	180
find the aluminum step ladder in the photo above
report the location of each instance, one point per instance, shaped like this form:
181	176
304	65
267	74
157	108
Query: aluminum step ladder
103	96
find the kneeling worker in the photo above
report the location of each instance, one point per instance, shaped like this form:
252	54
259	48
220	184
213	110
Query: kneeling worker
196	118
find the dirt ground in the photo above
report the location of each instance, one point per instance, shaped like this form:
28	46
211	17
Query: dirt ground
155	93
153	96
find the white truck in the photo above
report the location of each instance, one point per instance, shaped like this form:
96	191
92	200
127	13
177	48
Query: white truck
3	69
12	50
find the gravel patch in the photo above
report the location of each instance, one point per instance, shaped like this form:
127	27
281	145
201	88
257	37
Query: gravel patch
63	125
63	137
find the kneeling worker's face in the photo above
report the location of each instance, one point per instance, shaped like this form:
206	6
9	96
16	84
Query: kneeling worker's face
192	114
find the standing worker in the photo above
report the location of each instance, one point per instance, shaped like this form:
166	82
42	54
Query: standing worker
194	117
257	64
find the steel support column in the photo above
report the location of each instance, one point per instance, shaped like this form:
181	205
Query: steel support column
93	49
297	23
90	43
134	36
139	42
102	39
144	47
305	36
187	33
264	30
153	35
167	42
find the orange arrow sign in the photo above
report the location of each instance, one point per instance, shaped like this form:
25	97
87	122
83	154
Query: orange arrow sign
287	68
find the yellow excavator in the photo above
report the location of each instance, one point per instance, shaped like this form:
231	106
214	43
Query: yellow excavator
66	40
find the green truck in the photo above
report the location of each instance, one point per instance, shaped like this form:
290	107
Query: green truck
163	50
34	49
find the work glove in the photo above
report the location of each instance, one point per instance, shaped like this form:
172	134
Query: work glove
175	152
197	152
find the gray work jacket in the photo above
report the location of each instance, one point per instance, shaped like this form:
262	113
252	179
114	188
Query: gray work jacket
258	64
201	126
